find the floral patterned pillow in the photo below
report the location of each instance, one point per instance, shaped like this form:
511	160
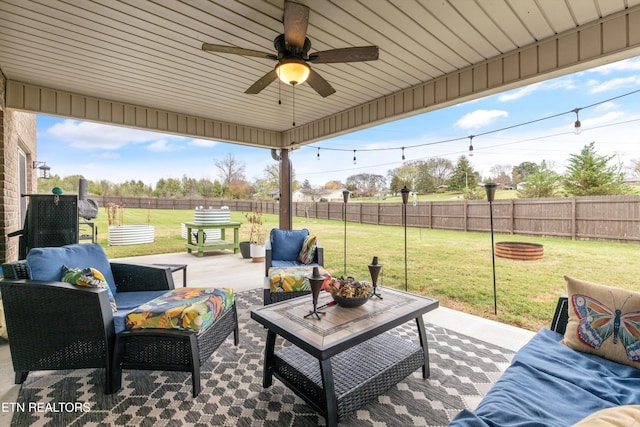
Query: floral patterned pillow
308	251
87	278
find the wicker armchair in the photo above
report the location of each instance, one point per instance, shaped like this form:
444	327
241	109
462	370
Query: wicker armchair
276	256
55	325
282	248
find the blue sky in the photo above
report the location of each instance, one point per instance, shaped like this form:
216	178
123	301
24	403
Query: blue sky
119	154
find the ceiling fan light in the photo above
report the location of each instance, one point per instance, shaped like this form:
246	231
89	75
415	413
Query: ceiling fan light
293	71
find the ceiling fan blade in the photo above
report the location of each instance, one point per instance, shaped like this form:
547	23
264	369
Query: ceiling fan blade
319	84
347	54
296	20
236	50
262	82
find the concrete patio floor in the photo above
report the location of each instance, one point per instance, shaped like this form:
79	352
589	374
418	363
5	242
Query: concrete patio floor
223	268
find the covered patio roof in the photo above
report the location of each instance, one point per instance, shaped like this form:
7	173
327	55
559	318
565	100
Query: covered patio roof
141	63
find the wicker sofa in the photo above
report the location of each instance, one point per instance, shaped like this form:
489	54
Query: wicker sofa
54	325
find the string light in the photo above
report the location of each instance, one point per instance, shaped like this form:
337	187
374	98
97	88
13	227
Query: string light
504	144
318	155
577	125
577	130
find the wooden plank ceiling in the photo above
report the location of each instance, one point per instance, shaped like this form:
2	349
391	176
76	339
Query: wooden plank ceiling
140	63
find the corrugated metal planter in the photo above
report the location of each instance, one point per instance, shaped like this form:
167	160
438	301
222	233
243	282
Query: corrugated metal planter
209	216
121	235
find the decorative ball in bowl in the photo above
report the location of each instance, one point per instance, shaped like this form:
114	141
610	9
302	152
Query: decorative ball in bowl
348	292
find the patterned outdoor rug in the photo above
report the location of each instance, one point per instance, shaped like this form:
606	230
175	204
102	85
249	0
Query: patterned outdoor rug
462	371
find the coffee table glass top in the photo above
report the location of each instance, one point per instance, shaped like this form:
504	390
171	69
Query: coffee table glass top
339	324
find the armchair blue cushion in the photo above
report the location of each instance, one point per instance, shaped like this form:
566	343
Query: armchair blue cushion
46	263
286	244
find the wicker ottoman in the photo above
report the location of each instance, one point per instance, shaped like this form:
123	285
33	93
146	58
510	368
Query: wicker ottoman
172	349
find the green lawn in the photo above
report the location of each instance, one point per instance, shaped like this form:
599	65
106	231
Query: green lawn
453	266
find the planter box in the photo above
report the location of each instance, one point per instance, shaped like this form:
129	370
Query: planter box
121	235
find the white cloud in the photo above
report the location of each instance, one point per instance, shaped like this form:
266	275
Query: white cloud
480	118
88	135
564	84
160	145
617	83
626	65
207	143
519	93
606	106
607	118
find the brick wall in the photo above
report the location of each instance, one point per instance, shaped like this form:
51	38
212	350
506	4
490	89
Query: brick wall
17	132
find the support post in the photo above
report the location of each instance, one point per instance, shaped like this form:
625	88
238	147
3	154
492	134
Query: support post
286	222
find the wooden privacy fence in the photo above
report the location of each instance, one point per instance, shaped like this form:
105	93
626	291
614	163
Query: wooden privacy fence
603	218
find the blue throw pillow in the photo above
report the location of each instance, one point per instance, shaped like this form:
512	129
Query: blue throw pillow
45	263
286	244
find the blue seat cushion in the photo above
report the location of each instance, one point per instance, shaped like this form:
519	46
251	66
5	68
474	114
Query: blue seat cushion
549	384
46	263
284	264
286	244
129	301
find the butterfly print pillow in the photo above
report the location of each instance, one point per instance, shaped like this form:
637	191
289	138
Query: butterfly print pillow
604	320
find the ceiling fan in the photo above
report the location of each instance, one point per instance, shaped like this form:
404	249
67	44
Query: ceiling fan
292	53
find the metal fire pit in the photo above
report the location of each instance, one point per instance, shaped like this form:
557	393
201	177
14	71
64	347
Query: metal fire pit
519	250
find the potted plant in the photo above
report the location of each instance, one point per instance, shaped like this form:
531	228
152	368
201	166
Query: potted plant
257	235
245	249
245	246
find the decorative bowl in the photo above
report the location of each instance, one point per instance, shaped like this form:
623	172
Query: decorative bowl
349	293
349	302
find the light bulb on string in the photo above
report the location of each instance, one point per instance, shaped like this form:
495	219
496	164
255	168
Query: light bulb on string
318	155
577	126
354	157
471	146
403	158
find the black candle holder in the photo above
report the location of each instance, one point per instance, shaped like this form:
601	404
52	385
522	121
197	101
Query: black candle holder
374	270
316	281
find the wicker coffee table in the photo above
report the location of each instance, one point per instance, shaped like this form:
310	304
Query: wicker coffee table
339	363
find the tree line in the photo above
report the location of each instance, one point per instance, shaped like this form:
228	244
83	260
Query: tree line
587	174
